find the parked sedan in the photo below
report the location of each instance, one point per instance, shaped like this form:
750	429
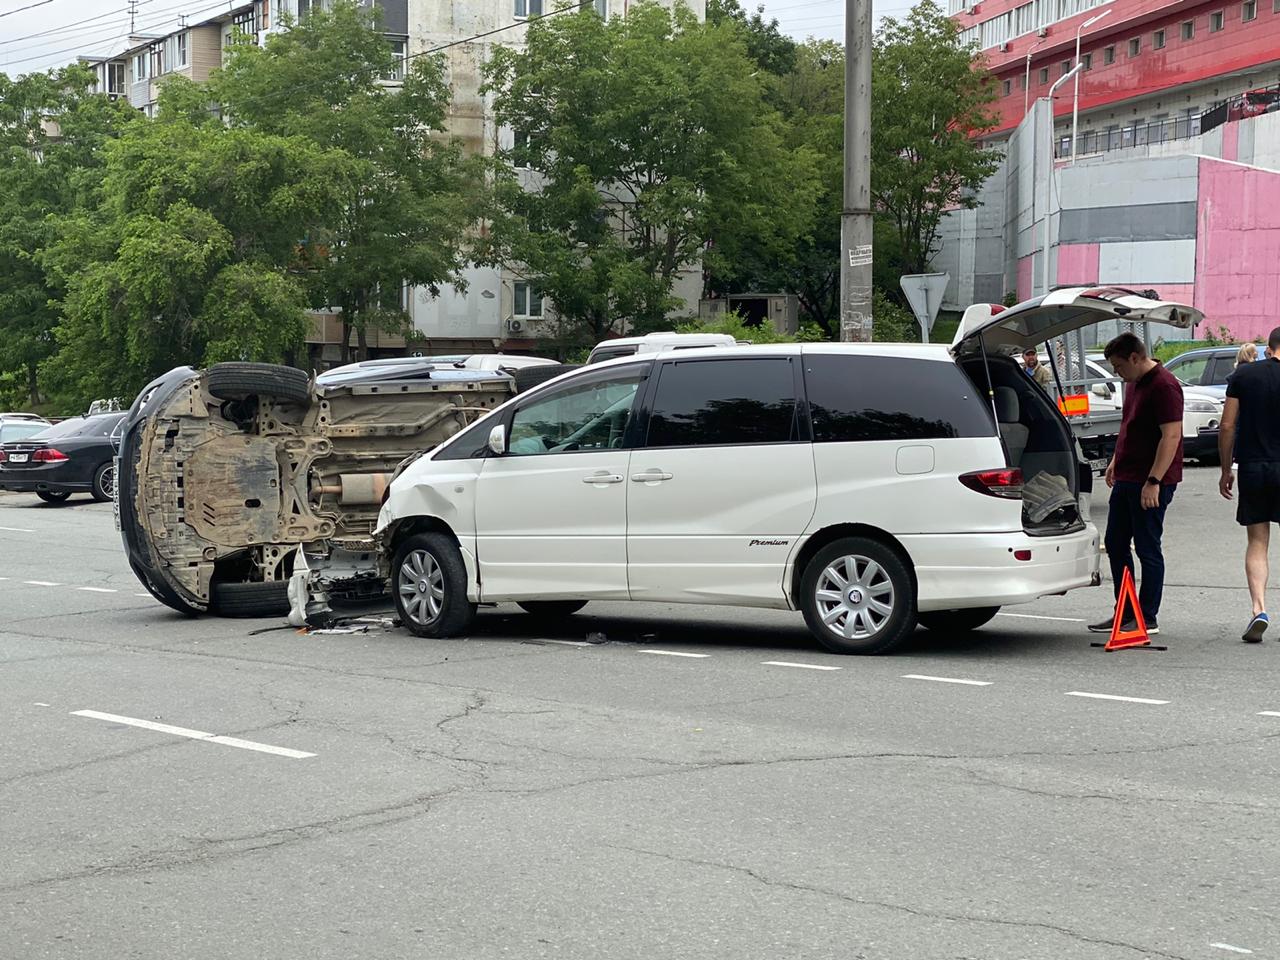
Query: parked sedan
74	456
16	426
1205	369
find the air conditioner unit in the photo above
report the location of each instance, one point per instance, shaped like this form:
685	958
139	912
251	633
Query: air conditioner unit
514	326
1004	47
1042	32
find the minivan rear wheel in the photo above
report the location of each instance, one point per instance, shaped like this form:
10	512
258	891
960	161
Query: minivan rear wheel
858	596
430	584
957	621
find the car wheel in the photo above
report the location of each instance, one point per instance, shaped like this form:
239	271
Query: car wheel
552	609
858	596
269	599
104	482
957	621
527	378
430	583
234	381
53	496
163	593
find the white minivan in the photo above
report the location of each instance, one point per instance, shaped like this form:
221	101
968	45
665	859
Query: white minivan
870	486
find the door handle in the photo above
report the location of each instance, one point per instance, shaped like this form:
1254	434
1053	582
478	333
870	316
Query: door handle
603	478
650	476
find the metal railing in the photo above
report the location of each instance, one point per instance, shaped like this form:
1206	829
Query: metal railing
1138	135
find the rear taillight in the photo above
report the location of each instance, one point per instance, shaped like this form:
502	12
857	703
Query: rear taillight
3	456
51	455
995	483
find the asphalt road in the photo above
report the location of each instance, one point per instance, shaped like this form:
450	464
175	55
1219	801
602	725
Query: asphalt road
690	789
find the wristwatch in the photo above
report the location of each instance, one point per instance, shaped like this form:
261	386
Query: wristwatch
1153	480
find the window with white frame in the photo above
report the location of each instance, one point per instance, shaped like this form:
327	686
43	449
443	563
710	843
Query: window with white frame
140	66
955	6
1248	11
528	8
602	9
1215	22
1109	55
399	48
1188	30
180	50
996	30
1024	19
528	301
157	59
115	77
968	36
243	22
1157	40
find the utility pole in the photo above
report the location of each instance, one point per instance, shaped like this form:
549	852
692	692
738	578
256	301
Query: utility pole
855	220
133	16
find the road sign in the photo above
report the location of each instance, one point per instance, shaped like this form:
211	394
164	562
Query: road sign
924	293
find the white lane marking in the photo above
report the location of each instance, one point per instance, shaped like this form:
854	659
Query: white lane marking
971	683
97	590
1269	713
570	643
41	583
676	653
1032	616
1109	696
41	704
801	666
193	734
142	594
1227	946
17	529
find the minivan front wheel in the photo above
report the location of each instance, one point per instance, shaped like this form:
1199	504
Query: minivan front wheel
430	583
858	597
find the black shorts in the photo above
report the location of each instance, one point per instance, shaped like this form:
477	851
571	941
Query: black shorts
1258	493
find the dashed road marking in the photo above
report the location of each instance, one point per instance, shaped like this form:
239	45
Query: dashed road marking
142	594
1227	946
970	683
41	583
676	653
570	643
97	590
1269	713
38	704
1110	696
17	529
1033	616
801	666
193	734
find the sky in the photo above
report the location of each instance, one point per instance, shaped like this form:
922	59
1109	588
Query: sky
55	32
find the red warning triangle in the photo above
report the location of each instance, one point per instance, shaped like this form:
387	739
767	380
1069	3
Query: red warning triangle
1121	638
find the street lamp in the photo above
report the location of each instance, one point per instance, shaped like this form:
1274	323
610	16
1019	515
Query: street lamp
1026	81
1075	106
1048	178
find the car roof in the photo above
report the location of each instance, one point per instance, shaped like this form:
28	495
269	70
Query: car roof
919	351
1228	350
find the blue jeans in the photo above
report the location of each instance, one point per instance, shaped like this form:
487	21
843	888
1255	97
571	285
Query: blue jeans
1128	522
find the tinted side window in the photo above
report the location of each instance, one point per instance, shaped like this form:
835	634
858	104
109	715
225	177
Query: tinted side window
722	402
1222	367
1190	370
859	398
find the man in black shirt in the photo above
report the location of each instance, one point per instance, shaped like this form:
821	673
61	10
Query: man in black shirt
1250	432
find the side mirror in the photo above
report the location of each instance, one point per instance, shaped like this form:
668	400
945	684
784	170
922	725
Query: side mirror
1102	390
498	439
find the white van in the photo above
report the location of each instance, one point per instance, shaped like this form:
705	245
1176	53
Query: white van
871	486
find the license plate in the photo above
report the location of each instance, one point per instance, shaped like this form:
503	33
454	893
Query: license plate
18	458
115	493
1100	465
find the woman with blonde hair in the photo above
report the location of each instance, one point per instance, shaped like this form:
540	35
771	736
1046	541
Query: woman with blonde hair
1247	354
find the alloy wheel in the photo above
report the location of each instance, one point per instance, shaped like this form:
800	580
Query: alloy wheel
855	597
420	583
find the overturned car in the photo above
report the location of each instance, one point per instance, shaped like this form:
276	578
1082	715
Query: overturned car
230	478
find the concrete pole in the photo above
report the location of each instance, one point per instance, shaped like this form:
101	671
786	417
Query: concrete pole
855	220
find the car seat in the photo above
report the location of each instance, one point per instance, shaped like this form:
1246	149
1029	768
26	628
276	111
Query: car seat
1013	432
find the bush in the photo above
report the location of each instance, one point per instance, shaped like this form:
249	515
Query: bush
734	324
892	323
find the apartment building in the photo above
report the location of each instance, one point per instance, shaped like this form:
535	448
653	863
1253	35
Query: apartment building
1152	68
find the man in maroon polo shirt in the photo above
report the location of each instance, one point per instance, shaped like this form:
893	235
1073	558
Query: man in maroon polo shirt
1144	471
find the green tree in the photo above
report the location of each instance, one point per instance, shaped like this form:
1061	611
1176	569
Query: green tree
413	198
644	138
52	133
191	255
768	46
930	97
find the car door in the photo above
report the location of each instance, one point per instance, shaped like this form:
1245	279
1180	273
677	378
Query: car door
551	511
1190	369
721	480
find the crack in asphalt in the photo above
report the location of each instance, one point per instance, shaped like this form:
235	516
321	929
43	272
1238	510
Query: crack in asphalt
899	907
1130	798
